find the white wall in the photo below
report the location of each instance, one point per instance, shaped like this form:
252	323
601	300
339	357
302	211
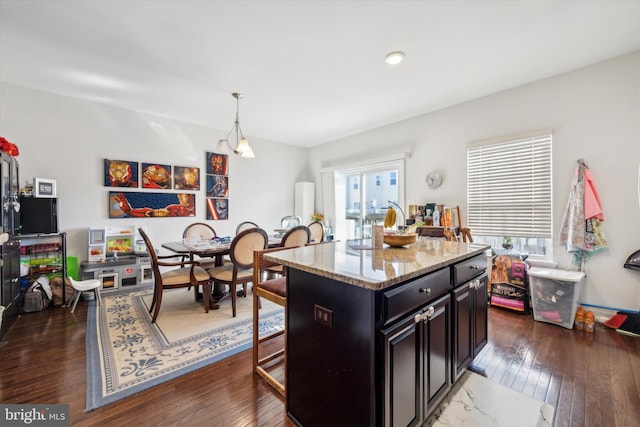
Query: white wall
595	115
66	139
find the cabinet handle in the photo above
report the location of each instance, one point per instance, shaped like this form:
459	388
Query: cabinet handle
425	291
428	313
417	318
474	267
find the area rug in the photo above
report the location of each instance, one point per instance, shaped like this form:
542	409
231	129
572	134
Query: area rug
475	401
126	353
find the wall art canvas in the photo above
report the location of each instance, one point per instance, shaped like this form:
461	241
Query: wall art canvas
186	178
120	173
217	209
145	204
157	176
217	186
217	164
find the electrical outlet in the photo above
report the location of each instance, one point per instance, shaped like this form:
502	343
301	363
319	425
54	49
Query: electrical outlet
323	315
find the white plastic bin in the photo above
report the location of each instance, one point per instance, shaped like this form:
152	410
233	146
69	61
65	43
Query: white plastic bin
555	294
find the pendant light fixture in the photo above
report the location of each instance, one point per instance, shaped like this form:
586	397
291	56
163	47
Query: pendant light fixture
242	147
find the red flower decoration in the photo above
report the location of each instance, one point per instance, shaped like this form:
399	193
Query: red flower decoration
8	147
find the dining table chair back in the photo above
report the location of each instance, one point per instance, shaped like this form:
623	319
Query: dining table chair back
300	235
187	274
297	236
245	225
317	232
240	270
290	221
199	231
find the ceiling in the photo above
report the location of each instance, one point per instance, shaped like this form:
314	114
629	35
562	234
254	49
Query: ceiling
310	71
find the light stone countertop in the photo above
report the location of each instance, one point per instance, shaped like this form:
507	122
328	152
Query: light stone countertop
376	269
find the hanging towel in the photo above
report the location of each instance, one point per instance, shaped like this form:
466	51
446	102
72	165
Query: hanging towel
572	230
581	230
592	206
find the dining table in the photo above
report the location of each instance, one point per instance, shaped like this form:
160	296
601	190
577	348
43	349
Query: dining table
215	249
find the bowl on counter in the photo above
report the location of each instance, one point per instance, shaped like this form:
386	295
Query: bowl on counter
399	240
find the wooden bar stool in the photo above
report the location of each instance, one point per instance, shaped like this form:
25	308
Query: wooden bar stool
274	290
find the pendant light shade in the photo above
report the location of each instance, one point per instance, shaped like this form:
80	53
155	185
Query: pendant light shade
242	147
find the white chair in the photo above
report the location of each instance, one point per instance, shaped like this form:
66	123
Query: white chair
80	286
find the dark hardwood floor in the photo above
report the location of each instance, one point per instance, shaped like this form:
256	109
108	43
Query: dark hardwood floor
591	379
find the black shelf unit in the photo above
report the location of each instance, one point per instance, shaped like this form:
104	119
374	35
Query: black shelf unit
47	255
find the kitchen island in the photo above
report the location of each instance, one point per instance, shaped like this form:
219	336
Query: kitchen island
376	337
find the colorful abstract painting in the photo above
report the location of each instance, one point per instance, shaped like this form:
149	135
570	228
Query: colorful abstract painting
217	186
217	209
157	176
120	173
186	178
144	204
217	164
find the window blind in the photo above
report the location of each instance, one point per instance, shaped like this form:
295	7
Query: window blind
509	187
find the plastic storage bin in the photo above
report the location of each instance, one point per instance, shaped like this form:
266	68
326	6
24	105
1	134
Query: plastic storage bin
554	295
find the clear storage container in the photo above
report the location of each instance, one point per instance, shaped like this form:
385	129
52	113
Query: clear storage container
555	294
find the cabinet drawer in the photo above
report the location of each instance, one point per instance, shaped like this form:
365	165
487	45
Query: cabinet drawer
467	270
414	294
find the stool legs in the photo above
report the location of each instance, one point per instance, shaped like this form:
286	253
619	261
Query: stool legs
74	299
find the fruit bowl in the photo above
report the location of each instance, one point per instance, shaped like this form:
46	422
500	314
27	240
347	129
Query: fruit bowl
398	240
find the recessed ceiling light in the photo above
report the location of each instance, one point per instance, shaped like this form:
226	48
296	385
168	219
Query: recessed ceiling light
394	58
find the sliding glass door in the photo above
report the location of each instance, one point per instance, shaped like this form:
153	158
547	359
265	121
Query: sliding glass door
362	195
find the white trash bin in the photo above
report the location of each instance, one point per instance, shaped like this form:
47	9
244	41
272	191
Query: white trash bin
555	294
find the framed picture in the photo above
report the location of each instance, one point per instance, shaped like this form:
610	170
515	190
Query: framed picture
155	175
217	209
145	204
44	187
120	173
217	186
217	164
186	178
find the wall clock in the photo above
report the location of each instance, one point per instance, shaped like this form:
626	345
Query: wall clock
434	179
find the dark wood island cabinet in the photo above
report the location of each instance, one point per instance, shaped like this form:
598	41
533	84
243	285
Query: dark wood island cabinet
378	337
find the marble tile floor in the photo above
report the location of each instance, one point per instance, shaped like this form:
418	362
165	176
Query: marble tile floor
475	401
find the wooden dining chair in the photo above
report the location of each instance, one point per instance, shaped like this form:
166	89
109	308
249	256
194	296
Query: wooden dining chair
297	236
245	225
450	235
240	270
201	231
274	290
317	232
290	221
465	233
182	277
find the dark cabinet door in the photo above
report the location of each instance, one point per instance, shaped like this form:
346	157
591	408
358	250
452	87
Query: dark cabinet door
470	319
436	333
402	374
480	303
463	342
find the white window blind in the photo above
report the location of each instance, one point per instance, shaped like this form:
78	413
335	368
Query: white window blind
509	187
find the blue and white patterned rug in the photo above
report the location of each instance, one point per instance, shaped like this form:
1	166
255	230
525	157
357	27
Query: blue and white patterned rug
126	353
